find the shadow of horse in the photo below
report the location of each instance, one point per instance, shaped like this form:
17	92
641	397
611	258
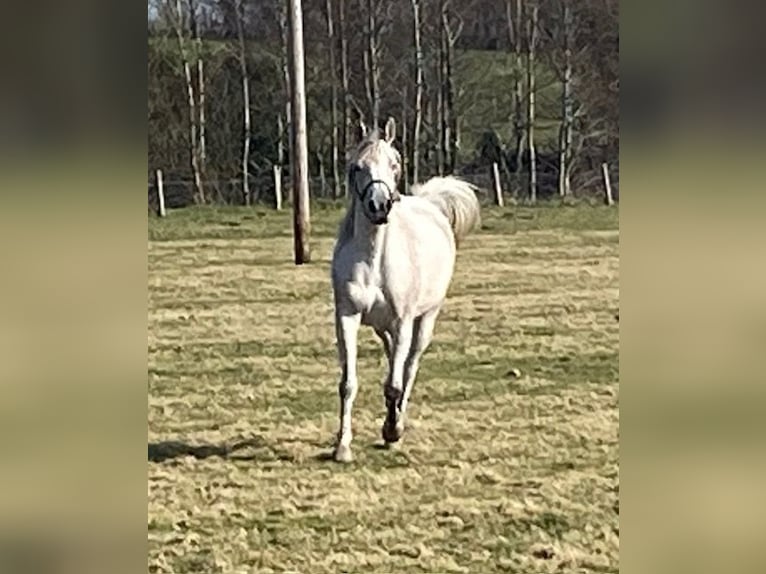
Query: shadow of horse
251	449
255	448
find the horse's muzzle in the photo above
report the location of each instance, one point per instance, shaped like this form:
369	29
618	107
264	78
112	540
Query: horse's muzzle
378	214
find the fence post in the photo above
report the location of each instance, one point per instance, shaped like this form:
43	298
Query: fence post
608	199
278	185
160	194
498	188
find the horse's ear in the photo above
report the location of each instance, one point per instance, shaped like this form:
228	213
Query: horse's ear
361	130
390	130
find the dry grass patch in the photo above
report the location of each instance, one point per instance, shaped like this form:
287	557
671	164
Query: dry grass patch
497	473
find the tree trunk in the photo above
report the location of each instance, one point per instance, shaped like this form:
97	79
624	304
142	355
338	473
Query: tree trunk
367	85
434	140
280	140
301	221
565	132
199	193
568	137
322	177
287	86
372	64
245	105
451	37
442	94
200	90
418	107
334	102
532	39
375	63
202	122
405	143
515	23
344	85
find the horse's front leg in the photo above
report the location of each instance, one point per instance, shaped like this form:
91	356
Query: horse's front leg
347	328
394	389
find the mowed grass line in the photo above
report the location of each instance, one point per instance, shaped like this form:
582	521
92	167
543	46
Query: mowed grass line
496	473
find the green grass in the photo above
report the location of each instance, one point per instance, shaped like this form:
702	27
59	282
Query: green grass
495	473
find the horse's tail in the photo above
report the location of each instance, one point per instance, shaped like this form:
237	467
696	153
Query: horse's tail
456	199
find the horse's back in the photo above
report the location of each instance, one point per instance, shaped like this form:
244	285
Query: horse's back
420	254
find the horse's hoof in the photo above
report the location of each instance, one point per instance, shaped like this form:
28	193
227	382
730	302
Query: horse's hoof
342	453
392	433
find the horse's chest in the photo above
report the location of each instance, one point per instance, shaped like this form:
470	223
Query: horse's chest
370	300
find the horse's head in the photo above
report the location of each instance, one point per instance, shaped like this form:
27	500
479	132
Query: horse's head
374	171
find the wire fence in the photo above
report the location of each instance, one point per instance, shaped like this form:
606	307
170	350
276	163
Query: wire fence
180	192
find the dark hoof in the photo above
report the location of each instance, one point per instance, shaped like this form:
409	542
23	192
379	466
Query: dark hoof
392	432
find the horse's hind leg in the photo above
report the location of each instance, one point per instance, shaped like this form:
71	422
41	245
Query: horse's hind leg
385	338
394	389
421	338
347	328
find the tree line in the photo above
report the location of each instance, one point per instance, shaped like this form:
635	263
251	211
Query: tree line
529	84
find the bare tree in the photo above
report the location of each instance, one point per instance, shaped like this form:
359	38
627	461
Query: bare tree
451	27
405	143
288	123
299	163
532	24
576	55
334	102
515	27
581	103
378	22
180	31
372	63
567	115
418	105
200	88
441	108
245	102
346	121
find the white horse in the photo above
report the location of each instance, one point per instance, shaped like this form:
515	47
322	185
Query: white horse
391	267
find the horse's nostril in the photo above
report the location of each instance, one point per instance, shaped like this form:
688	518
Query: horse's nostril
371	205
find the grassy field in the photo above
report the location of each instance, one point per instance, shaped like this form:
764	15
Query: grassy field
495	473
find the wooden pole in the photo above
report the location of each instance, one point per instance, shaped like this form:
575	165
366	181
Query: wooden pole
498	188
300	161
608	199
278	186
160	194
